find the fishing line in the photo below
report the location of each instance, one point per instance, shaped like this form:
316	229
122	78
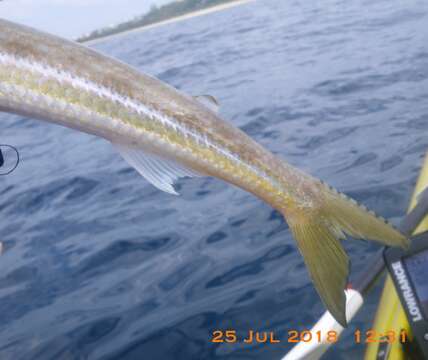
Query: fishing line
4	159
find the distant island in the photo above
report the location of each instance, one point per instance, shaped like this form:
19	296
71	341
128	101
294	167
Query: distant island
156	14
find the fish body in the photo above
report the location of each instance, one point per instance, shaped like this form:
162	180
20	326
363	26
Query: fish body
165	134
52	79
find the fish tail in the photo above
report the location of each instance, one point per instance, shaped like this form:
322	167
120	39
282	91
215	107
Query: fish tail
318	233
357	221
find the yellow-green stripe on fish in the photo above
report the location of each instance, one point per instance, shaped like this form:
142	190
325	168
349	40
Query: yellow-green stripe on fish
165	134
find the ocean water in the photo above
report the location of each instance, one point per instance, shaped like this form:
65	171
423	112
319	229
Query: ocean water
101	265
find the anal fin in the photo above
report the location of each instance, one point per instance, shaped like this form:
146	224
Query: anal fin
209	101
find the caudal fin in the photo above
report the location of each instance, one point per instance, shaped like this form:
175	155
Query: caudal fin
318	233
327	263
359	222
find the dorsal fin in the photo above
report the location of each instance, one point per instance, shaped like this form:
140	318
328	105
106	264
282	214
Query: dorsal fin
209	101
161	172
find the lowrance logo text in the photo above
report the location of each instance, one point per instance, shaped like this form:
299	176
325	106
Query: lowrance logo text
407	291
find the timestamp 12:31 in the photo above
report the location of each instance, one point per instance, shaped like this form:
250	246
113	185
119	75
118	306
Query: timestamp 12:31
294	336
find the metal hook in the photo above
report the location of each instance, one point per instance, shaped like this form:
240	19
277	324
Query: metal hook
2	159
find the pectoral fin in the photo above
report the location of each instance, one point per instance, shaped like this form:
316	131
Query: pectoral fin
161	172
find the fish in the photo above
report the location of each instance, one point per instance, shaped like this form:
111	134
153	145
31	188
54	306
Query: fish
165	135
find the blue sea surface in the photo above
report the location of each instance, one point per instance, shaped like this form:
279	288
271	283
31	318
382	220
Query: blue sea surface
99	264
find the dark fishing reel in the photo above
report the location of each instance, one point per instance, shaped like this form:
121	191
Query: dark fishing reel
9	159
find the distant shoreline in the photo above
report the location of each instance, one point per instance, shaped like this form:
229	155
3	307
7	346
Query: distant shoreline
189	15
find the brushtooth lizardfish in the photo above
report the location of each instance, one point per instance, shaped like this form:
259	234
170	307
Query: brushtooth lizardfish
165	134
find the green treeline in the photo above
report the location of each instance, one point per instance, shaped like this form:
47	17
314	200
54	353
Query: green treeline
156	14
